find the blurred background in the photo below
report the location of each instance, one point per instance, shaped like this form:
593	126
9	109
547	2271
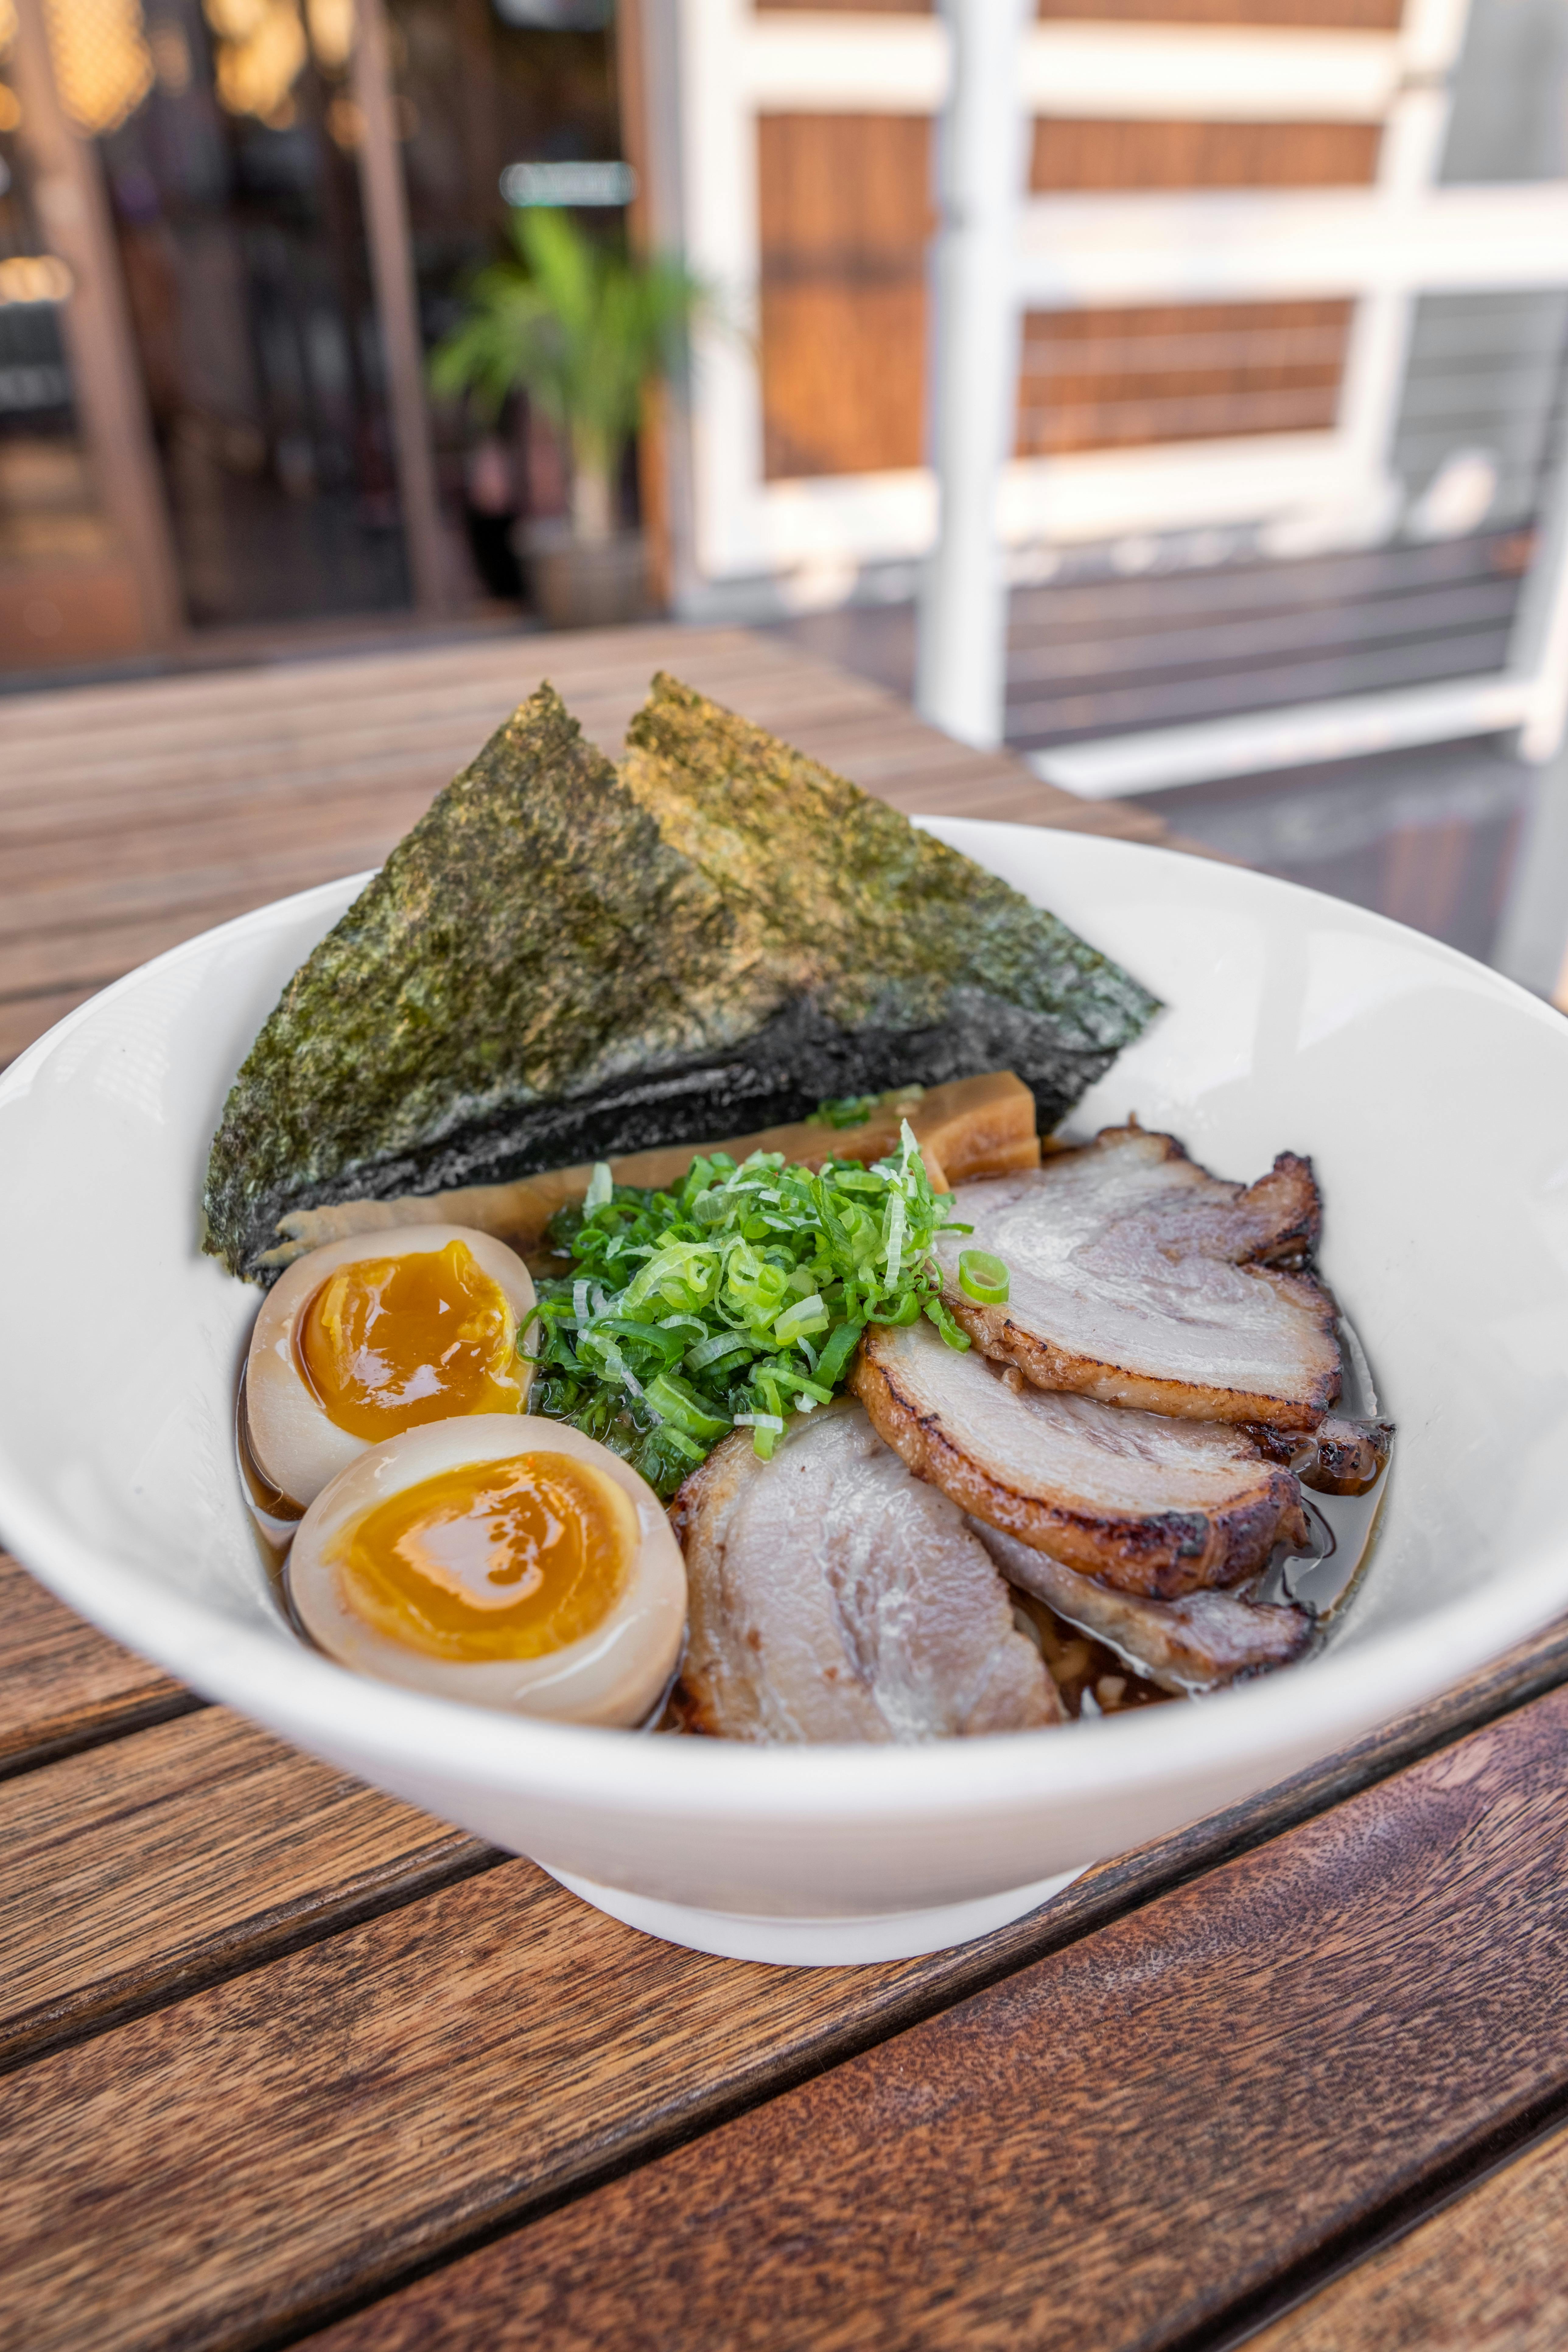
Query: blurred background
1280	515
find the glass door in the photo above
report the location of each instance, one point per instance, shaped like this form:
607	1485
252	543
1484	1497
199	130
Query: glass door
227	133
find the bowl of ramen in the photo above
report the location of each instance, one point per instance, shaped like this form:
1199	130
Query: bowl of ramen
813	1374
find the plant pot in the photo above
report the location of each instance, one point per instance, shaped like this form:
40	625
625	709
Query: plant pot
579	583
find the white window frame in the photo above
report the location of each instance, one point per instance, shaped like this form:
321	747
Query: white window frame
1382	246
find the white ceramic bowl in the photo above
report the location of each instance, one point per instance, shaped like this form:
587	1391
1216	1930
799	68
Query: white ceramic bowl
1434	1098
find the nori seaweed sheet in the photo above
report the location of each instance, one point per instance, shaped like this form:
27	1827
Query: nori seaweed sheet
564	960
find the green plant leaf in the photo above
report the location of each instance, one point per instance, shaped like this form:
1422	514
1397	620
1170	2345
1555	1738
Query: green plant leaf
579	324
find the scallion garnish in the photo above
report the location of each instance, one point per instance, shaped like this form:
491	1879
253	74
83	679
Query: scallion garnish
983	1277
729	1300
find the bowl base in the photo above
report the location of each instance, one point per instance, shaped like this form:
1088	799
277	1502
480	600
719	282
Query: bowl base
817	1943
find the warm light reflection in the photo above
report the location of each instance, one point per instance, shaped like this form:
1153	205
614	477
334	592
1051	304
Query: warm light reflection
7	25
33	278
331	25
234	20
103	67
171	57
346	123
261	53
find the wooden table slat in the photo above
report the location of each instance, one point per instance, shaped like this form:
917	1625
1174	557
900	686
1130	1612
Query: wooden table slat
1115	2147
1486	2274
149	1900
63	1687
533	2043
202	1846
202	798
618	661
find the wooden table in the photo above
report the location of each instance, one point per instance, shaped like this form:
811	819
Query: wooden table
285	2060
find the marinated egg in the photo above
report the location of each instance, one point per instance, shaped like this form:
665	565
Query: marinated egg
373	1336
503	1560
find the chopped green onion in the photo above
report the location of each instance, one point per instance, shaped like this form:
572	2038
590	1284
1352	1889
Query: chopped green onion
673	1401
807	1316
854	1110
755	1282
713	1350
983	1277
844	1110
938	1313
836	1353
895	1238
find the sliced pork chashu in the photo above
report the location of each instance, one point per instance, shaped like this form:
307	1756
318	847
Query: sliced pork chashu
835	1598
1151	1505
1139	1278
1197	1643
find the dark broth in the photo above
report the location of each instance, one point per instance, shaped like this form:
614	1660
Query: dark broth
273	1515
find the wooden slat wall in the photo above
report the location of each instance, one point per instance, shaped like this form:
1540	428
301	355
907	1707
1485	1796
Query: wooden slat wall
1075	157
845	210
846	213
1193	371
1314	15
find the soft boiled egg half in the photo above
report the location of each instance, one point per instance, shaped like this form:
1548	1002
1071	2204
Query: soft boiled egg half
499	1559
374	1336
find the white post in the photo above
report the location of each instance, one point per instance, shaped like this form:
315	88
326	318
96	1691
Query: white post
1378	353
1538	641
973	371
1532	944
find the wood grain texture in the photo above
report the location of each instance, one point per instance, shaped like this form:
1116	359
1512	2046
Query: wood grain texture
206	795
401	2086
63	1687
1486	2274
1315	16
202	1846
845	211
1115	2146
1078	155
845	217
1184	372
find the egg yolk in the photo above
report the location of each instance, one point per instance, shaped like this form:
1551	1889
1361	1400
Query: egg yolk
493	1559
388	1343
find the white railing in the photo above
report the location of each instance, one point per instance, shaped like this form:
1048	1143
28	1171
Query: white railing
1384	245
1381	247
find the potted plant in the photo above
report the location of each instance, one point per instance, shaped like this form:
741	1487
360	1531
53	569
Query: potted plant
583	327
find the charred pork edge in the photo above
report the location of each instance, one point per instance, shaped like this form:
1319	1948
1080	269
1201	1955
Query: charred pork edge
1192	1685
1295	1240
1046	1365
694	1494
1159	1557
1080	1614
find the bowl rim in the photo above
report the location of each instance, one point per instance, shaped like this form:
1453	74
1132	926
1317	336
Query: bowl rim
266	1674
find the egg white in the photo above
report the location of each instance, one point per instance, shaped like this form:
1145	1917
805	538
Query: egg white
294	1441
614	1675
